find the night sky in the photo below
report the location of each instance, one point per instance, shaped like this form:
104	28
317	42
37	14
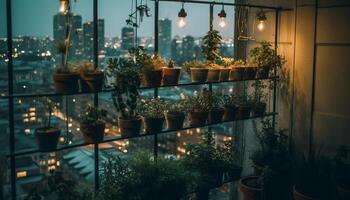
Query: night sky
35	17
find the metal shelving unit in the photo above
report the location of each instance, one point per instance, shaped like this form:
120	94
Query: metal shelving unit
11	96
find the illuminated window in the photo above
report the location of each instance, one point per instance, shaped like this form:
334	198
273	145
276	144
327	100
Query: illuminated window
21	174
27	131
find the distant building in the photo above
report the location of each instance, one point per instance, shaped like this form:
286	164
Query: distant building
164	37
128	35
88	35
188	48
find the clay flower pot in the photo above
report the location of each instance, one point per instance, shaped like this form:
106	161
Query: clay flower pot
92	82
230	113
130	127
152	78
174	121
93	133
153	125
213	75
259	109
225	74
199	75
171	76
236	74
198	118
250	192
299	196
215	116
249	73
47	138
243	111
66	83
263	72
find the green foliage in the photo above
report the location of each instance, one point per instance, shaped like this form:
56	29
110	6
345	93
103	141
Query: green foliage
145	61
229	100
211	47
194	64
216	99
171	63
198	103
152	108
92	115
266	56
227	62
179	106
260	93
126	76
86	67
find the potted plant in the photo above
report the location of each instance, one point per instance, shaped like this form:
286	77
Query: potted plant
266	58
152	111
126	76
198	70
237	70
259	101
313	179
198	109
66	80
250	71
210	49
47	136
152	68
92	126
342	172
226	68
91	78
230	108
175	114
244	108
228	153
171	74
216	110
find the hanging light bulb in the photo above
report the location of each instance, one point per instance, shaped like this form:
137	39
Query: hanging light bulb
222	16
182	15
261	17
64	6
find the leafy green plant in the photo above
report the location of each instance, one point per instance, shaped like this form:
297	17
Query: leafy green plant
152	108
171	63
260	94
126	76
239	63
198	103
211	47
86	67
227	62
266	56
146	62
179	106
215	99
194	64
229	100
93	115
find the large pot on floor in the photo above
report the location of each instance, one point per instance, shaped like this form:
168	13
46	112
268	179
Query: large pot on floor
250	189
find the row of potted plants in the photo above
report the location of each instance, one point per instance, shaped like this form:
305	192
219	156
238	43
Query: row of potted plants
280	175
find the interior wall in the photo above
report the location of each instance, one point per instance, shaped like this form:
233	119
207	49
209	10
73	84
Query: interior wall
314	93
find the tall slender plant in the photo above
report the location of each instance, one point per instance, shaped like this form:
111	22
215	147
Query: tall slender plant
211	47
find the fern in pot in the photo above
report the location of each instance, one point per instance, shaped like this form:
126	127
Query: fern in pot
210	49
216	110
171	74
259	98
199	107
175	114
92	125
126	76
198	70
152	111
47	136
230	108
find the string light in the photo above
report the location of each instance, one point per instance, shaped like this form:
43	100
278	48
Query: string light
182	15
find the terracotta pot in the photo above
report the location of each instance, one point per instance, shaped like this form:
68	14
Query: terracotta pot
171	76
198	118
249	73
93	133
199	75
215	116
243	111
130	127
92	82
263	72
343	192
259	109
66	83
299	196
47	138
230	113
225	74
152	78
175	121
249	192
153	125
213	75
236	74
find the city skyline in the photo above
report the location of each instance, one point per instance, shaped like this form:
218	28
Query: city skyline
114	13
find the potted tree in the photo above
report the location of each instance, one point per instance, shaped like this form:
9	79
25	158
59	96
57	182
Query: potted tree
126	76
210	49
66	80
198	70
47	136
91	78
92	126
226	68
259	101
175	114
342	172
198	109
230	108
266	58
171	74
152	111
237	70
216	110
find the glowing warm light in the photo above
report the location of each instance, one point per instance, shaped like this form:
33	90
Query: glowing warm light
27	130
222	22
64	4
21	174
261	25
182	22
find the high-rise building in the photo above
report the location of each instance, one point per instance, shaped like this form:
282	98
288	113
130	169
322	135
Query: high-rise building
128	35
88	35
164	37
176	51
188	47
